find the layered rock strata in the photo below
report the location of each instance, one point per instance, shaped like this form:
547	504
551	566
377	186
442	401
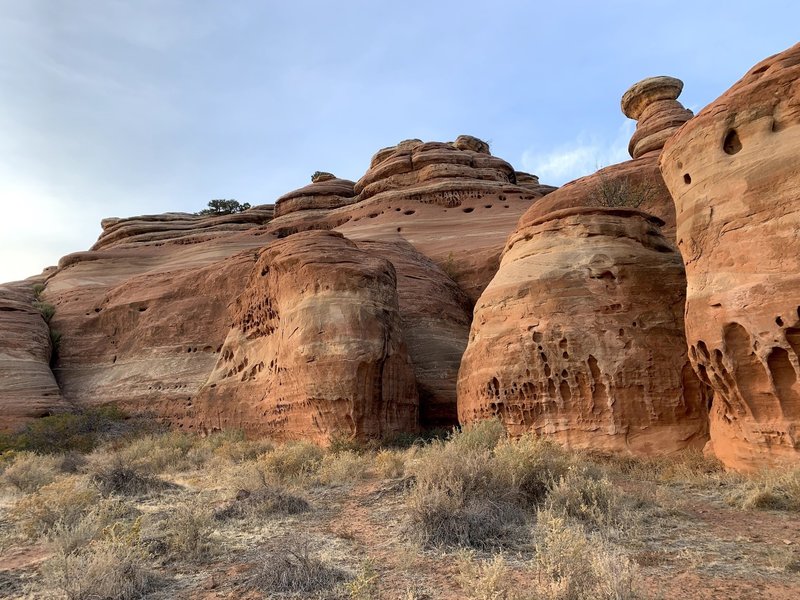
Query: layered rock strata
734	174
325	192
28	388
579	337
316	349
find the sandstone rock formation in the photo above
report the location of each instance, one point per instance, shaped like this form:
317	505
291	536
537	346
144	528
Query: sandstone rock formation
28	388
184	228
326	191
734	174
316	348
635	183
579	336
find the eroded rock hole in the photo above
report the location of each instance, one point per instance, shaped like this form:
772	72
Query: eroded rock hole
687	179
469	209
731	144
409	212
779	321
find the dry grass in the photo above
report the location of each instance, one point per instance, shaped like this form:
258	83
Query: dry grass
292	462
102	570
64	501
769	490
28	471
294	569
262	501
390	464
112	474
486	580
342	468
184	532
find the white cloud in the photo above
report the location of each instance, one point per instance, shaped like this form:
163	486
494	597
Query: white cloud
585	155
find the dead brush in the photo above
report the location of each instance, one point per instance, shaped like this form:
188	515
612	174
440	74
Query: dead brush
294	569
64	501
262	501
111	474
774	489
28	471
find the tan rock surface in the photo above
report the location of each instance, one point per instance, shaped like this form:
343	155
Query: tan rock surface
316	348
28	388
734	173
579	336
325	191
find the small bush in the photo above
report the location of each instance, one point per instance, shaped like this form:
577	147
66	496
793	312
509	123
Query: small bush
295	569
771	490
595	503
344	467
104	569
37	288
571	565
46	309
390	464
483	435
459	499
530	464
111	474
263	501
182	533
364	586
78	431
102	520
292	461
489	580
621	192
65	500
28	472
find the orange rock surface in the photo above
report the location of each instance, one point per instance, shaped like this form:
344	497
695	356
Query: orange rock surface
579	336
734	173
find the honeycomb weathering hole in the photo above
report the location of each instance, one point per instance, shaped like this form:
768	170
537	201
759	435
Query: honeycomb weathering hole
732	144
687	179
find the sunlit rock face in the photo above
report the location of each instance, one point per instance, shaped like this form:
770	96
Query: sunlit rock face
579	337
734	173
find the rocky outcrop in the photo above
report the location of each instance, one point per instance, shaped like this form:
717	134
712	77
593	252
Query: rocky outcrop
181	228
325	192
579	336
734	174
436	316
316	348
635	183
28	388
653	104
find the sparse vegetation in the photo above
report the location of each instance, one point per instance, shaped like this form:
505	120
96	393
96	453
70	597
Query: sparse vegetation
219	207
46	309
621	192
357	521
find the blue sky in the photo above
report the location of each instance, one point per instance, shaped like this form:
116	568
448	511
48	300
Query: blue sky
119	108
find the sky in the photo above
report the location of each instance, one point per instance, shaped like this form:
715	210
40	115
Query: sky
121	108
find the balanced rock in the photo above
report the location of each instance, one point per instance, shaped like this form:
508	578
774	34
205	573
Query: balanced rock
579	337
316	348
28	388
653	104
734	173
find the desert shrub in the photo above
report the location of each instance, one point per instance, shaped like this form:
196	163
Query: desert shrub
242	450
102	520
571	565
112	474
458	498
343	467
390	464
46	309
28	471
103	570
769	490
293	461
486	580
221	206
364	586
621	192
65	500
263	501
294	569
530	464
185	532
595	503
37	288
75	431
345	443
483	435
405	440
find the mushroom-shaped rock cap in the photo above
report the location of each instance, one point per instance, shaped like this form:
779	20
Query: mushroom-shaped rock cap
647	91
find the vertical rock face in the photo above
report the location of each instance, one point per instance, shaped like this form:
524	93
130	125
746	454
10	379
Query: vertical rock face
316	347
436	315
579	336
734	173
27	386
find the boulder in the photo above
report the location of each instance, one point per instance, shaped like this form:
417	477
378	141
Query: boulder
579	337
734	173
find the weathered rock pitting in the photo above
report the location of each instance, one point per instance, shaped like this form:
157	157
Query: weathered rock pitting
734	174
579	336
